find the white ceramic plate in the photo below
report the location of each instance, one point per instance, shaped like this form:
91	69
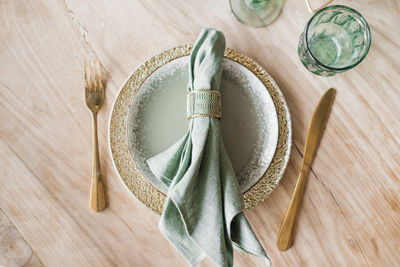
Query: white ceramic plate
157	119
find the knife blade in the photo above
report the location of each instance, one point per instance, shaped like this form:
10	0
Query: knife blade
314	136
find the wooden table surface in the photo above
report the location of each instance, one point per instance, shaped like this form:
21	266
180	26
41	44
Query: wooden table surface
351	210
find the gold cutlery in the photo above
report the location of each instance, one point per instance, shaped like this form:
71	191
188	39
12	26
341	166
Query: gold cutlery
314	135
94	95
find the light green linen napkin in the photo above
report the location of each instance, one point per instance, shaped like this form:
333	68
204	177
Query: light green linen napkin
203	215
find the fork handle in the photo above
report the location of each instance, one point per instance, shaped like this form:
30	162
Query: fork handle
97	196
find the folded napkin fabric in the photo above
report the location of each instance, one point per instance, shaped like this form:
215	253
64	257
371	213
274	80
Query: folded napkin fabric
203	214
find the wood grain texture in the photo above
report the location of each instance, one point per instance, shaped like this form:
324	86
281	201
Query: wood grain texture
350	214
14	251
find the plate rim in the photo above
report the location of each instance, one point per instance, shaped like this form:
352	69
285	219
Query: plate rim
150	196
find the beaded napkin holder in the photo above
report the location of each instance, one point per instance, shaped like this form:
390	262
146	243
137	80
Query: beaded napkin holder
204	103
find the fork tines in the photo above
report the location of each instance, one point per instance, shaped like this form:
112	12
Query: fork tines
93	77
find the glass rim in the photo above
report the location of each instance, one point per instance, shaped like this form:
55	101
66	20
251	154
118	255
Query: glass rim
368	36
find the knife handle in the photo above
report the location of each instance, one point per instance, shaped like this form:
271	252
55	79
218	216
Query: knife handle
285	233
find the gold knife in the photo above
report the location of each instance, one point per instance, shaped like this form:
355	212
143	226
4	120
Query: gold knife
314	135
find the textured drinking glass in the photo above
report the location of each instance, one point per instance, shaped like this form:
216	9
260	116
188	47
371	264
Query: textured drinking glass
336	39
256	13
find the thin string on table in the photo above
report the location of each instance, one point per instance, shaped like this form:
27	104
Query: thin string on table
316	10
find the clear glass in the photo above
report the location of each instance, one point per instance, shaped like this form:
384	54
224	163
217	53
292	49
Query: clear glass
336	39
256	13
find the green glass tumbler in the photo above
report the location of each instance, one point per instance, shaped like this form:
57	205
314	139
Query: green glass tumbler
256	13
337	38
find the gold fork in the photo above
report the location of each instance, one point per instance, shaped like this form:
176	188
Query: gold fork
94	95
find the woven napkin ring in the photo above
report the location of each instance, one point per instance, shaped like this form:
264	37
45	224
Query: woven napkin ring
204	103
